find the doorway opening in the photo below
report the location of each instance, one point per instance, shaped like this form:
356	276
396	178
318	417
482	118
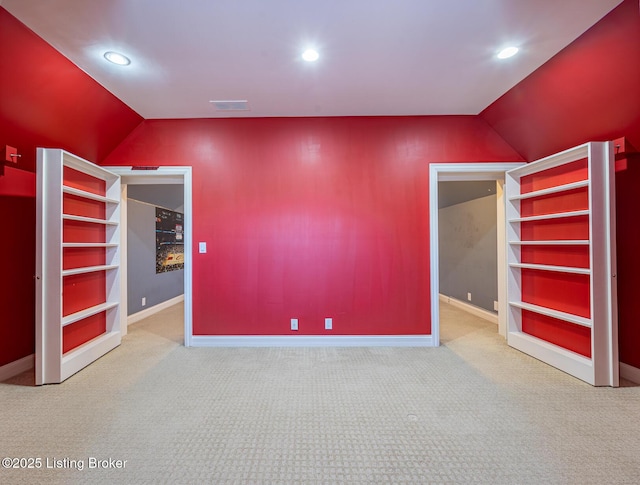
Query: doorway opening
160	176
467	217
440	172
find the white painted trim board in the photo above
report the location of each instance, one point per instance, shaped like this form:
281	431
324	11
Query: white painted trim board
474	310
16	367
629	373
449	172
313	341
165	175
147	312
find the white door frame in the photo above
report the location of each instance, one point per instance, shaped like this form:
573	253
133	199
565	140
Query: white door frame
161	175
441	172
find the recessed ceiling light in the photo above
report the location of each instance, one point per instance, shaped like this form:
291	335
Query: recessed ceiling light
507	52
310	55
117	58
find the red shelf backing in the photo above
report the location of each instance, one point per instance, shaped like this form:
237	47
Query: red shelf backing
565	292
81	257
83	291
573	256
82	181
83	232
555	229
575	338
82	331
572	200
561	175
79	206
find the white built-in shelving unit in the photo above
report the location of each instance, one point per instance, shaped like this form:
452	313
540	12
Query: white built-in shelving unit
565	194
68	245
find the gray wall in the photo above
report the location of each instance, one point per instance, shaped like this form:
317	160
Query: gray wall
468	251
169	196
142	280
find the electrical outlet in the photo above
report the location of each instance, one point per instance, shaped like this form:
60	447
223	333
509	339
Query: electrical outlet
495	306
469	296
294	324
144	301
328	323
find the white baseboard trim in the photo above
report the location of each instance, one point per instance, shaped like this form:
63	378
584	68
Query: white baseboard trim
147	312
474	310
312	341
16	367
629	373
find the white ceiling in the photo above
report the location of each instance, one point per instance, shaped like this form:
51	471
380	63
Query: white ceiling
378	57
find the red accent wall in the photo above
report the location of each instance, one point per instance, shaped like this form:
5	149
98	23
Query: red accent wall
311	218
315	217
48	101
45	100
628	248
80	332
589	91
17	247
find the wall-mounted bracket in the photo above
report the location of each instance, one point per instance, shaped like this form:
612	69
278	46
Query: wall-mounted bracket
10	156
624	153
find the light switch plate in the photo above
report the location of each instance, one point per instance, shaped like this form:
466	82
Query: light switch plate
202	247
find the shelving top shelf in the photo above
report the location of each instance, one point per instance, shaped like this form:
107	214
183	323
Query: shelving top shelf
77	163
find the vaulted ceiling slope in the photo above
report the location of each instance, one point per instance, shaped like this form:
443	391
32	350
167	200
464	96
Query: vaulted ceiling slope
46	101
588	92
377	57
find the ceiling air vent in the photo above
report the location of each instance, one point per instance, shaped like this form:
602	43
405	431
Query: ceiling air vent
231	105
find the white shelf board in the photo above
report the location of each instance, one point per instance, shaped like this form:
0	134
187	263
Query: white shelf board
88	269
87	195
73	161
567	156
87	312
549	312
89	245
92	220
547	267
559	242
557	215
551	190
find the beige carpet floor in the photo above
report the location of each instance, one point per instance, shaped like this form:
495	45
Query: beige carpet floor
470	411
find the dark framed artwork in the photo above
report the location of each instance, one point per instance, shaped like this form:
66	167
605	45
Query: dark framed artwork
169	240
